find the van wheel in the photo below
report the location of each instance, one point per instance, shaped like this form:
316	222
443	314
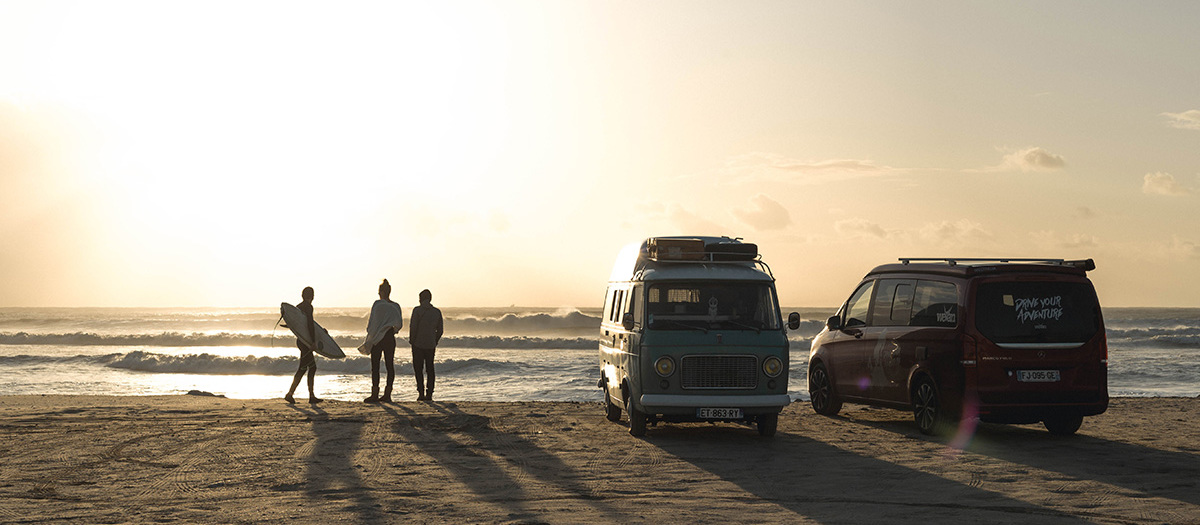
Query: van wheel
820	392
927	408
637	420
1063	425
767	423
612	412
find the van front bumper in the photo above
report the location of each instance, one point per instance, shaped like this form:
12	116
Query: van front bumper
661	402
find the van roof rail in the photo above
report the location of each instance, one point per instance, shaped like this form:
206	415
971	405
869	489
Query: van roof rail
1084	264
757	261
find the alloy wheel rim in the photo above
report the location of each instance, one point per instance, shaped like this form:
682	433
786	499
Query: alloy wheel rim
820	394
926	405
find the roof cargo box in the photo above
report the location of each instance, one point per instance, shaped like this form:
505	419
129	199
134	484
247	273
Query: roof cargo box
732	251
676	249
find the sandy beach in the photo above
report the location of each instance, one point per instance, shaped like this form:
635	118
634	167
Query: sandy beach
213	460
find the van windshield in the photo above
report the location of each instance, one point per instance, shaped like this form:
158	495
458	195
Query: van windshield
1037	312
712	306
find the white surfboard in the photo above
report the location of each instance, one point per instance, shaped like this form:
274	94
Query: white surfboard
294	319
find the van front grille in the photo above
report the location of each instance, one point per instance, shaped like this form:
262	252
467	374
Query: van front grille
720	371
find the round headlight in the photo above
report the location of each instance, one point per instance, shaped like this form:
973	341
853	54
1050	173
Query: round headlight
665	366
772	366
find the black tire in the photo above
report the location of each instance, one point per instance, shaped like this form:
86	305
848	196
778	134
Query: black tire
637	420
824	399
612	411
1063	425
927	408
767	423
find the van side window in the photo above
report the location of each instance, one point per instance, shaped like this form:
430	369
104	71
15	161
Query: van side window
893	302
636	305
935	304
608	303
614	305
859	306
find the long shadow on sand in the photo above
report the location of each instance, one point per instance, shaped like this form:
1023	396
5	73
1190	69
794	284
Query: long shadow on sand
1126	465
831	485
490	462
330	469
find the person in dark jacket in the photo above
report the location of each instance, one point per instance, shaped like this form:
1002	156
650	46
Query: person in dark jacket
424	333
308	362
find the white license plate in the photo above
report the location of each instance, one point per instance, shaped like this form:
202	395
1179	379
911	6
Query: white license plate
1038	376
719	413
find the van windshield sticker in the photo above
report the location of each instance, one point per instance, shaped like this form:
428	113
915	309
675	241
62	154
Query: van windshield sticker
1030	309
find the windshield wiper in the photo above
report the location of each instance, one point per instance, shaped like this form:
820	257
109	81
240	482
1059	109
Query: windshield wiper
757	329
683	324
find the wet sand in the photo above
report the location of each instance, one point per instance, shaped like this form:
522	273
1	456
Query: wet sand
211	460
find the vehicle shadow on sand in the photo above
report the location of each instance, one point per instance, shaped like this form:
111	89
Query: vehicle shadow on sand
1155	472
831	485
496	465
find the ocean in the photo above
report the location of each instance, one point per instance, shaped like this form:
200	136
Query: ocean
488	354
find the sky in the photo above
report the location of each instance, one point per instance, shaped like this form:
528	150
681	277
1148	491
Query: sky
501	153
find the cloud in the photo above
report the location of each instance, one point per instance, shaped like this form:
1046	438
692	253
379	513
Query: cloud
1187	249
1033	159
1052	241
1084	212
960	231
669	219
1189	119
764	214
865	167
1163	184
1081	240
689	223
858	227
778	168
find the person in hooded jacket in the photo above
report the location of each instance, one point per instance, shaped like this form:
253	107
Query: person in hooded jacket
424	333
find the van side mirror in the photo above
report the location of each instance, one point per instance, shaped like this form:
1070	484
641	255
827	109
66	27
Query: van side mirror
794	321
627	321
834	323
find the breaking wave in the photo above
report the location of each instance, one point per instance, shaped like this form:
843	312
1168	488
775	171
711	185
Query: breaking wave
566	322
1177	337
250	365
175	339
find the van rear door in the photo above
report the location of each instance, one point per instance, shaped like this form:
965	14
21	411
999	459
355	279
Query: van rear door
1042	341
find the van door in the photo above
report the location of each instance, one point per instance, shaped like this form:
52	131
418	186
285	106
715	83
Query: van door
894	352
847	349
924	314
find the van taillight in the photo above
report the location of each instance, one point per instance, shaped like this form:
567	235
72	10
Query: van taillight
970	352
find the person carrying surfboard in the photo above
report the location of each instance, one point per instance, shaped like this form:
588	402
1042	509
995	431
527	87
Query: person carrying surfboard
386	319
308	362
424	332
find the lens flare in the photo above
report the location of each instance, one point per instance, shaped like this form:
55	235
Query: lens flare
967	424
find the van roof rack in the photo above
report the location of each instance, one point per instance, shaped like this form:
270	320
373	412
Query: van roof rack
702	250
1084	264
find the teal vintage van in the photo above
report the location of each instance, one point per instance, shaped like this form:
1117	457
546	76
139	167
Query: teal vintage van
691	331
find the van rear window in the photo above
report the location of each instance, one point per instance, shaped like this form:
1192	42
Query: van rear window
1037	312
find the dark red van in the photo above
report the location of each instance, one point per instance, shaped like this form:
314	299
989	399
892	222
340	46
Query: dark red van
1007	341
